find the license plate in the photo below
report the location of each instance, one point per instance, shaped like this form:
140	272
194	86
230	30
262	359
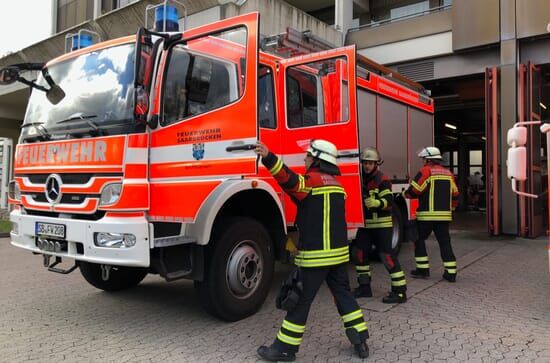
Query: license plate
50	230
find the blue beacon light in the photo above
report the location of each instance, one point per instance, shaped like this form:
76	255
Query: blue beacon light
85	41
171	19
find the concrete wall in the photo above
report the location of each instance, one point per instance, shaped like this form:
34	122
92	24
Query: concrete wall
277	15
434	23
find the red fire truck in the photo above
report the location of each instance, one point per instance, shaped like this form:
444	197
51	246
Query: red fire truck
136	155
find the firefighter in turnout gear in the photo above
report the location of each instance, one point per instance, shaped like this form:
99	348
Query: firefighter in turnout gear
378	198
323	250
436	190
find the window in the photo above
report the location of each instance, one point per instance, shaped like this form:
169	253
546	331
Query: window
409	10
266	99
73	12
316	93
109	5
196	84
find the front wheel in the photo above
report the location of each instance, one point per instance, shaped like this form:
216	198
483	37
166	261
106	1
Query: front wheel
117	278
239	269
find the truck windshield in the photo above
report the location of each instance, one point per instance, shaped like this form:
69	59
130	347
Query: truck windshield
99	97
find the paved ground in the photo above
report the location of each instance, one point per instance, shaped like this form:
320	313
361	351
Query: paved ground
498	310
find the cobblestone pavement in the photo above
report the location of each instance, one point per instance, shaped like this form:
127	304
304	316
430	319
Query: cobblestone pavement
499	309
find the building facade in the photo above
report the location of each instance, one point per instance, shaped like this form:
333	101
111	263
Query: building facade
485	62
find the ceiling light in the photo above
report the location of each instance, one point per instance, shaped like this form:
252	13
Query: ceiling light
542	105
450	126
483	138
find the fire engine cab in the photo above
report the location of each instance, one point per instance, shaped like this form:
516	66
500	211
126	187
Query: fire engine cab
136	155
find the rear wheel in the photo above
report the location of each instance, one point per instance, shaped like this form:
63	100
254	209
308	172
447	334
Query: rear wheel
117	278
398	233
398	228
239	269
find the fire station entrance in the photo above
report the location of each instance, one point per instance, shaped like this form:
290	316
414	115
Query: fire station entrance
469	133
460	134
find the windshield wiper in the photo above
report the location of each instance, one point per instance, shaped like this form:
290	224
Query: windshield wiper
39	126
78	117
86	118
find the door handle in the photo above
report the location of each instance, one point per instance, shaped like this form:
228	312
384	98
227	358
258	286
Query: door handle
348	155
240	147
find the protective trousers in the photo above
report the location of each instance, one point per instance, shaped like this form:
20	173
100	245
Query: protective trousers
441	231
290	334
382	238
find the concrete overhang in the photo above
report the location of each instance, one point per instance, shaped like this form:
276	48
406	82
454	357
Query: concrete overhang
429	24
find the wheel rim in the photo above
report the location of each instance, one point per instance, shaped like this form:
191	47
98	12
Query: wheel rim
244	269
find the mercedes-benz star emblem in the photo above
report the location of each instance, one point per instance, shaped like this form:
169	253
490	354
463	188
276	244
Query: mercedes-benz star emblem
53	188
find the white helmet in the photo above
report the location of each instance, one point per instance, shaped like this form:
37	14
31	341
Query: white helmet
370	154
323	150
430	152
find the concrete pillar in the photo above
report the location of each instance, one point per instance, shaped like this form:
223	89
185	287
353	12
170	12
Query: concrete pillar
343	15
508	109
97	9
54	16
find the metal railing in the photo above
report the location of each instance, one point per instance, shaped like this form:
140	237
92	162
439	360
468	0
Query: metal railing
404	17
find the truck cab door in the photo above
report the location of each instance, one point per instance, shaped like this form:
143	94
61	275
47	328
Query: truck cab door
206	104
320	102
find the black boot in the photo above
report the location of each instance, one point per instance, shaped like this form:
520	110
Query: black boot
363	291
273	355
420	273
449	277
362	350
395	298
359	341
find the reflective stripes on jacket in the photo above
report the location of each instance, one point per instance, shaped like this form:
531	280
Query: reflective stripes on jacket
378	186
437	193
321	219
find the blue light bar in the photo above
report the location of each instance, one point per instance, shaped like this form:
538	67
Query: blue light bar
85	41
171	19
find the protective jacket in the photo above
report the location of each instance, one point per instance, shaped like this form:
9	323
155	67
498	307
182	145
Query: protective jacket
437	193
320	218
378	186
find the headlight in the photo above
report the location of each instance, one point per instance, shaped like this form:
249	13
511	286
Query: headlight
114	240
13	191
110	194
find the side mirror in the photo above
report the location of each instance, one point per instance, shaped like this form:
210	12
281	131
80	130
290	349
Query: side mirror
55	94
516	162
517	153
8	75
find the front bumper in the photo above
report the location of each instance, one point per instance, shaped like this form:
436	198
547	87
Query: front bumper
82	232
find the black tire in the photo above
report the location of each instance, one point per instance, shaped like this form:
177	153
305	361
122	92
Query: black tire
398	228
239	269
398	236
120	277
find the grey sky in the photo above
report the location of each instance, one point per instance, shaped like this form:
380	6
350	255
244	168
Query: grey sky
23	22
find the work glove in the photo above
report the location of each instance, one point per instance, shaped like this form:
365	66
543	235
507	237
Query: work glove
372	203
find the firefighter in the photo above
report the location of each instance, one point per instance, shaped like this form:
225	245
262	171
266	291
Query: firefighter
378	198
436	189
323	250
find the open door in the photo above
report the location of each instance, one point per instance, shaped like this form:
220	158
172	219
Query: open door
531	209
320	102
492	172
206	104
